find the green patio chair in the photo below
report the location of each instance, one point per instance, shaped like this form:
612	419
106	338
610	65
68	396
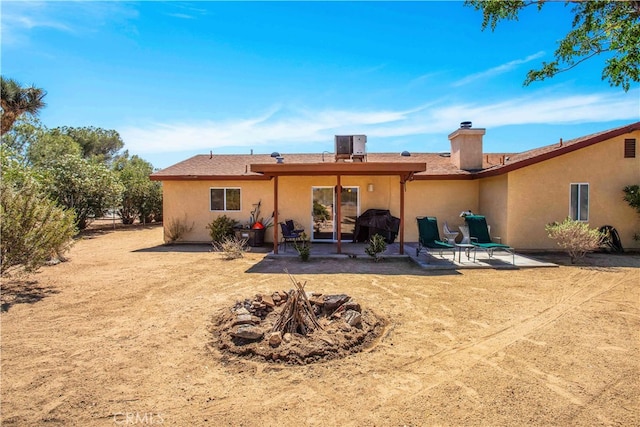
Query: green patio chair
429	237
480	238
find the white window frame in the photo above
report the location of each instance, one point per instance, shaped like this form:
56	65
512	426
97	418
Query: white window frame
225	199
579	211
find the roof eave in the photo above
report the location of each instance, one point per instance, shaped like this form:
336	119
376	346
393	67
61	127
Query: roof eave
558	151
209	178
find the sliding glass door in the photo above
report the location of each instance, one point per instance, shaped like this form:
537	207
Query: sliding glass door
324	213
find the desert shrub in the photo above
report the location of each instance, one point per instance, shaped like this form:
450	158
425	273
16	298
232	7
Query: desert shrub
575	237
231	247
177	228
376	246
221	228
303	247
34	229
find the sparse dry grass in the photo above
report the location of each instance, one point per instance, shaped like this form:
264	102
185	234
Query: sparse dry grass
122	328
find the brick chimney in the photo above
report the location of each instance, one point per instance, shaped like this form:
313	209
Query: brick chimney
466	147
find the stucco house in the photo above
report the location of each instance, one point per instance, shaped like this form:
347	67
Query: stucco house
519	193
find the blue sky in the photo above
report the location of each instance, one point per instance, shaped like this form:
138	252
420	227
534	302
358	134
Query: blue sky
182	78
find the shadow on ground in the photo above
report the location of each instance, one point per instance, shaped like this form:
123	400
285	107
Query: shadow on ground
387	267
22	292
101	229
177	248
593	260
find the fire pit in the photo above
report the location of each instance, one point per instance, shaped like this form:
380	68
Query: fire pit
295	327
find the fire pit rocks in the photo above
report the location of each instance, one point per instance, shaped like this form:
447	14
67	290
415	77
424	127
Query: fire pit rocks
295	327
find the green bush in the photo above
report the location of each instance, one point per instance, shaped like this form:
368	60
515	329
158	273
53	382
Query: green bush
221	228
575	237
33	229
377	245
632	197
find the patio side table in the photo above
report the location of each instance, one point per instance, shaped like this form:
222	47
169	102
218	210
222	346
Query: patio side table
467	251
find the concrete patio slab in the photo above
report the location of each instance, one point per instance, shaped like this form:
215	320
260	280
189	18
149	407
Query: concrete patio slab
431	261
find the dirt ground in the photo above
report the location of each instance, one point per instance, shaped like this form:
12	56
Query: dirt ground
120	335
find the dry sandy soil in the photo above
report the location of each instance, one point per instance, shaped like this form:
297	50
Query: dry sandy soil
120	334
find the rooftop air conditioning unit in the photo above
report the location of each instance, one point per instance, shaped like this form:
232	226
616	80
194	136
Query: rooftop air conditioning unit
344	144
351	144
359	142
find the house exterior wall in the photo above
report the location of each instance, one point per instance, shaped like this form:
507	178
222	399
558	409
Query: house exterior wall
189	201
540	194
442	199
494	205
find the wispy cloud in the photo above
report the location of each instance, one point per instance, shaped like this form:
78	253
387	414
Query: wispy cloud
185	10
495	71
19	18
304	128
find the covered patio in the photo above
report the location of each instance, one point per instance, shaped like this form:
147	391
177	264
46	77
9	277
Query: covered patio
404	171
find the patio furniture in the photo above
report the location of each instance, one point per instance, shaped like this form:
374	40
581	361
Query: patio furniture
429	237
467	248
449	234
292	227
479	235
465	234
288	235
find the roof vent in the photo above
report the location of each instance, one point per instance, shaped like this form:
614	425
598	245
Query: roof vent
405	154
275	154
465	125
279	159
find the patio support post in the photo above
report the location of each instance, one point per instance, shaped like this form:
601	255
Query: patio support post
337	222
276	224
403	187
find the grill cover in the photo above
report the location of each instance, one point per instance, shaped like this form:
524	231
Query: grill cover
376	221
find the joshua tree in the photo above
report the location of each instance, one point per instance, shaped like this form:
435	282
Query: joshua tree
17	100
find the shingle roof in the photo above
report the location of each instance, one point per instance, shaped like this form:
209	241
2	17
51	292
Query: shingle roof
439	166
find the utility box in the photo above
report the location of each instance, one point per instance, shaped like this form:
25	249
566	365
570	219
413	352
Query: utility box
351	145
359	145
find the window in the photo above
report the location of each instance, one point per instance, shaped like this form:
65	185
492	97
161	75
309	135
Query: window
579	202
225	199
629	148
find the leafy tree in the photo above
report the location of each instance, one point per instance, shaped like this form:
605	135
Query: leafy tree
16	100
141	197
97	143
48	145
86	186
599	27
33	228
24	132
